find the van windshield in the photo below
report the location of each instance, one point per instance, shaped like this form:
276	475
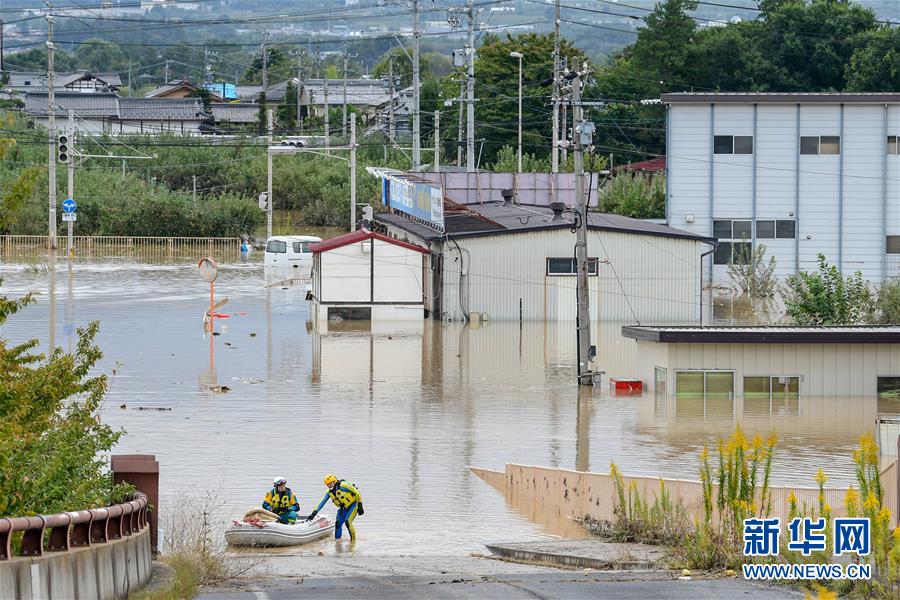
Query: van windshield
276	246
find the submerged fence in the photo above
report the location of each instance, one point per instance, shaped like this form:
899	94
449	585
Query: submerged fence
34	248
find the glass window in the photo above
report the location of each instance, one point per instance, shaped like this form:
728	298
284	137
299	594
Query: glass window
302	247
719	383
892	244
723	144
722	229
276	247
757	387
743	144
830	144
722	255
567	266
742	230
689	383
786	229
893	147
742	253
809	144
765	229
785	387
889	396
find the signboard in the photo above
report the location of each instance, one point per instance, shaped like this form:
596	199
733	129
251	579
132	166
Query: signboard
226	91
68	216
419	199
69	205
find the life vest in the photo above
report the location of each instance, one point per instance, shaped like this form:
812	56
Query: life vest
343	497
281	501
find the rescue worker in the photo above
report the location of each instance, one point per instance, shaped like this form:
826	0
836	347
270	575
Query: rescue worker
282	501
347	498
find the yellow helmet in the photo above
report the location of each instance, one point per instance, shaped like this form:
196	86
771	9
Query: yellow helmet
330	480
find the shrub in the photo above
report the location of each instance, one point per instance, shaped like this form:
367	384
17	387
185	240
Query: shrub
756	278
888	303
634	195
825	297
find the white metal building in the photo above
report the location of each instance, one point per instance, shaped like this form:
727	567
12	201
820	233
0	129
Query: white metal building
801	173
366	276
507	261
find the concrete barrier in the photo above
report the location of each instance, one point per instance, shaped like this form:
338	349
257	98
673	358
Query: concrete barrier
106	571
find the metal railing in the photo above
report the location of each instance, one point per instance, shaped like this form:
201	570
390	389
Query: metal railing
29	248
73	529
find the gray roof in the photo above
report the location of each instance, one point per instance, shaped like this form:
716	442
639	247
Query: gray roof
248	91
235	112
38	80
496	218
780	98
111	106
169	87
875	334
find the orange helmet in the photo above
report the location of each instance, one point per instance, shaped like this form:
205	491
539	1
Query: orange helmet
330	480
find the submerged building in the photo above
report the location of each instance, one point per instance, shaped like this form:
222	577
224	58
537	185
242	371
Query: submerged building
802	173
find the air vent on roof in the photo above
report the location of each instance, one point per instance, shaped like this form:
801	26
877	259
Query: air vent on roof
508	196
557	208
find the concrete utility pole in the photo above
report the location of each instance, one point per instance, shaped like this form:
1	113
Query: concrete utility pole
353	172
71	179
265	57
167	72
269	119
327	110
391	130
417	139
344	109
459	133
564	121
519	55
194	193
554	152
51	126
470	89
299	121
581	254
437	141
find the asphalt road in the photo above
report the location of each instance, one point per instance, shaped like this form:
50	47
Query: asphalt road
568	585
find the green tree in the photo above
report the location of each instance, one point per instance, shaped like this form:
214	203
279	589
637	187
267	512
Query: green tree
665	48
14	195
36	60
262	119
634	195
432	65
278	67
100	56
287	110
826	297
54	444
875	65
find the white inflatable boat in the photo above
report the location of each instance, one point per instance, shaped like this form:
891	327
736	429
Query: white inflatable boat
252	531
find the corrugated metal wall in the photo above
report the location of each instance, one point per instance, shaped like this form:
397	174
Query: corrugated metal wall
649	279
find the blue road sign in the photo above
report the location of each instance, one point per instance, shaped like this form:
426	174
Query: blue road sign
69	205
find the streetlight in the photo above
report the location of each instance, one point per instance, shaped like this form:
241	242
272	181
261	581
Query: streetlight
519	55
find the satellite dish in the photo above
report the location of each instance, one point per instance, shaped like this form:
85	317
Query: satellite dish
208	269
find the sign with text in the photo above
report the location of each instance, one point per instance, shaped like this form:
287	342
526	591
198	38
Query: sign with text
419	199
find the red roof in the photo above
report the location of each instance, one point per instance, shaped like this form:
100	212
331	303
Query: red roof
654	164
358	236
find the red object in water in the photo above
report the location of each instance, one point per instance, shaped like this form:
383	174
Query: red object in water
626	386
221	315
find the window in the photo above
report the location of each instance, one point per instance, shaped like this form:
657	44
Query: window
888	396
893	144
276	247
704	383
826	144
566	266
771	229
777	386
734	242
733	144
892	244
349	313
301	247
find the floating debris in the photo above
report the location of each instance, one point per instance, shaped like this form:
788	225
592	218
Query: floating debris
219	389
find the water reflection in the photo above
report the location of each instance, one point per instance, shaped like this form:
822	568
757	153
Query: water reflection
400	411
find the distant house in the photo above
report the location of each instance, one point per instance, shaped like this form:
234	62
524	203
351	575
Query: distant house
366	96
81	81
181	88
235	113
108	113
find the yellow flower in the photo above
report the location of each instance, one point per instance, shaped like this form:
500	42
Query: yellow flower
821	478
792	499
822	593
871	502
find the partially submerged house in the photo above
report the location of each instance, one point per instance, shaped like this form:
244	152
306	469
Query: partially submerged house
505	260
367	276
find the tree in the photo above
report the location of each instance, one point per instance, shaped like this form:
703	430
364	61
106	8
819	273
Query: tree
825	297
875	64
262	119
634	195
14	196
54	444
287	110
278	67
755	277
36	60
432	65
100	56
664	48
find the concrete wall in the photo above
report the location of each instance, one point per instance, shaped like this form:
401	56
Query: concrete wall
102	571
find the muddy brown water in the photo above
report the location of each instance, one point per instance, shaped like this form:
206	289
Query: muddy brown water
400	413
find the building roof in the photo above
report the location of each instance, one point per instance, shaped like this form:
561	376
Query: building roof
38	80
235	112
110	105
780	98
875	334
172	86
654	165
496	218
110	79
359	236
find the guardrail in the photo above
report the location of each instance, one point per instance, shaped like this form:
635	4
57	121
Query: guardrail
189	249
73	529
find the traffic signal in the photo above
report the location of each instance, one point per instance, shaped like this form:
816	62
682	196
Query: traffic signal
63	154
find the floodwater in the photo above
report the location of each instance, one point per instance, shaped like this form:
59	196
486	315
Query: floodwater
399	412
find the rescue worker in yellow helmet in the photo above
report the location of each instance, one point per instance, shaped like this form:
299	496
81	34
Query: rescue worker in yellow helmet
347	498
282	501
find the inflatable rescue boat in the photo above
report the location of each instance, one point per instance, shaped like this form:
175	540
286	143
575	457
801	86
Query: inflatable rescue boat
261	528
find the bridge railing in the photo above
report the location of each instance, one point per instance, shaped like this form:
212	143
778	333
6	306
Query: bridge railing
73	529
15	248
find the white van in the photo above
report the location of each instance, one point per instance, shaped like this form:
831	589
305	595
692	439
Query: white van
290	251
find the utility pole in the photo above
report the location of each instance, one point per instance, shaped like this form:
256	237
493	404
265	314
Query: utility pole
269	120
129	79
459	133
265	57
299	123
327	110
437	141
581	255
1	44
344	109
417	140
194	195
51	126
167	73
391	127
554	152
470	89
353	172
519	55
71	179
564	122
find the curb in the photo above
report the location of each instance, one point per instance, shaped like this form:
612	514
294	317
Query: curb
571	561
